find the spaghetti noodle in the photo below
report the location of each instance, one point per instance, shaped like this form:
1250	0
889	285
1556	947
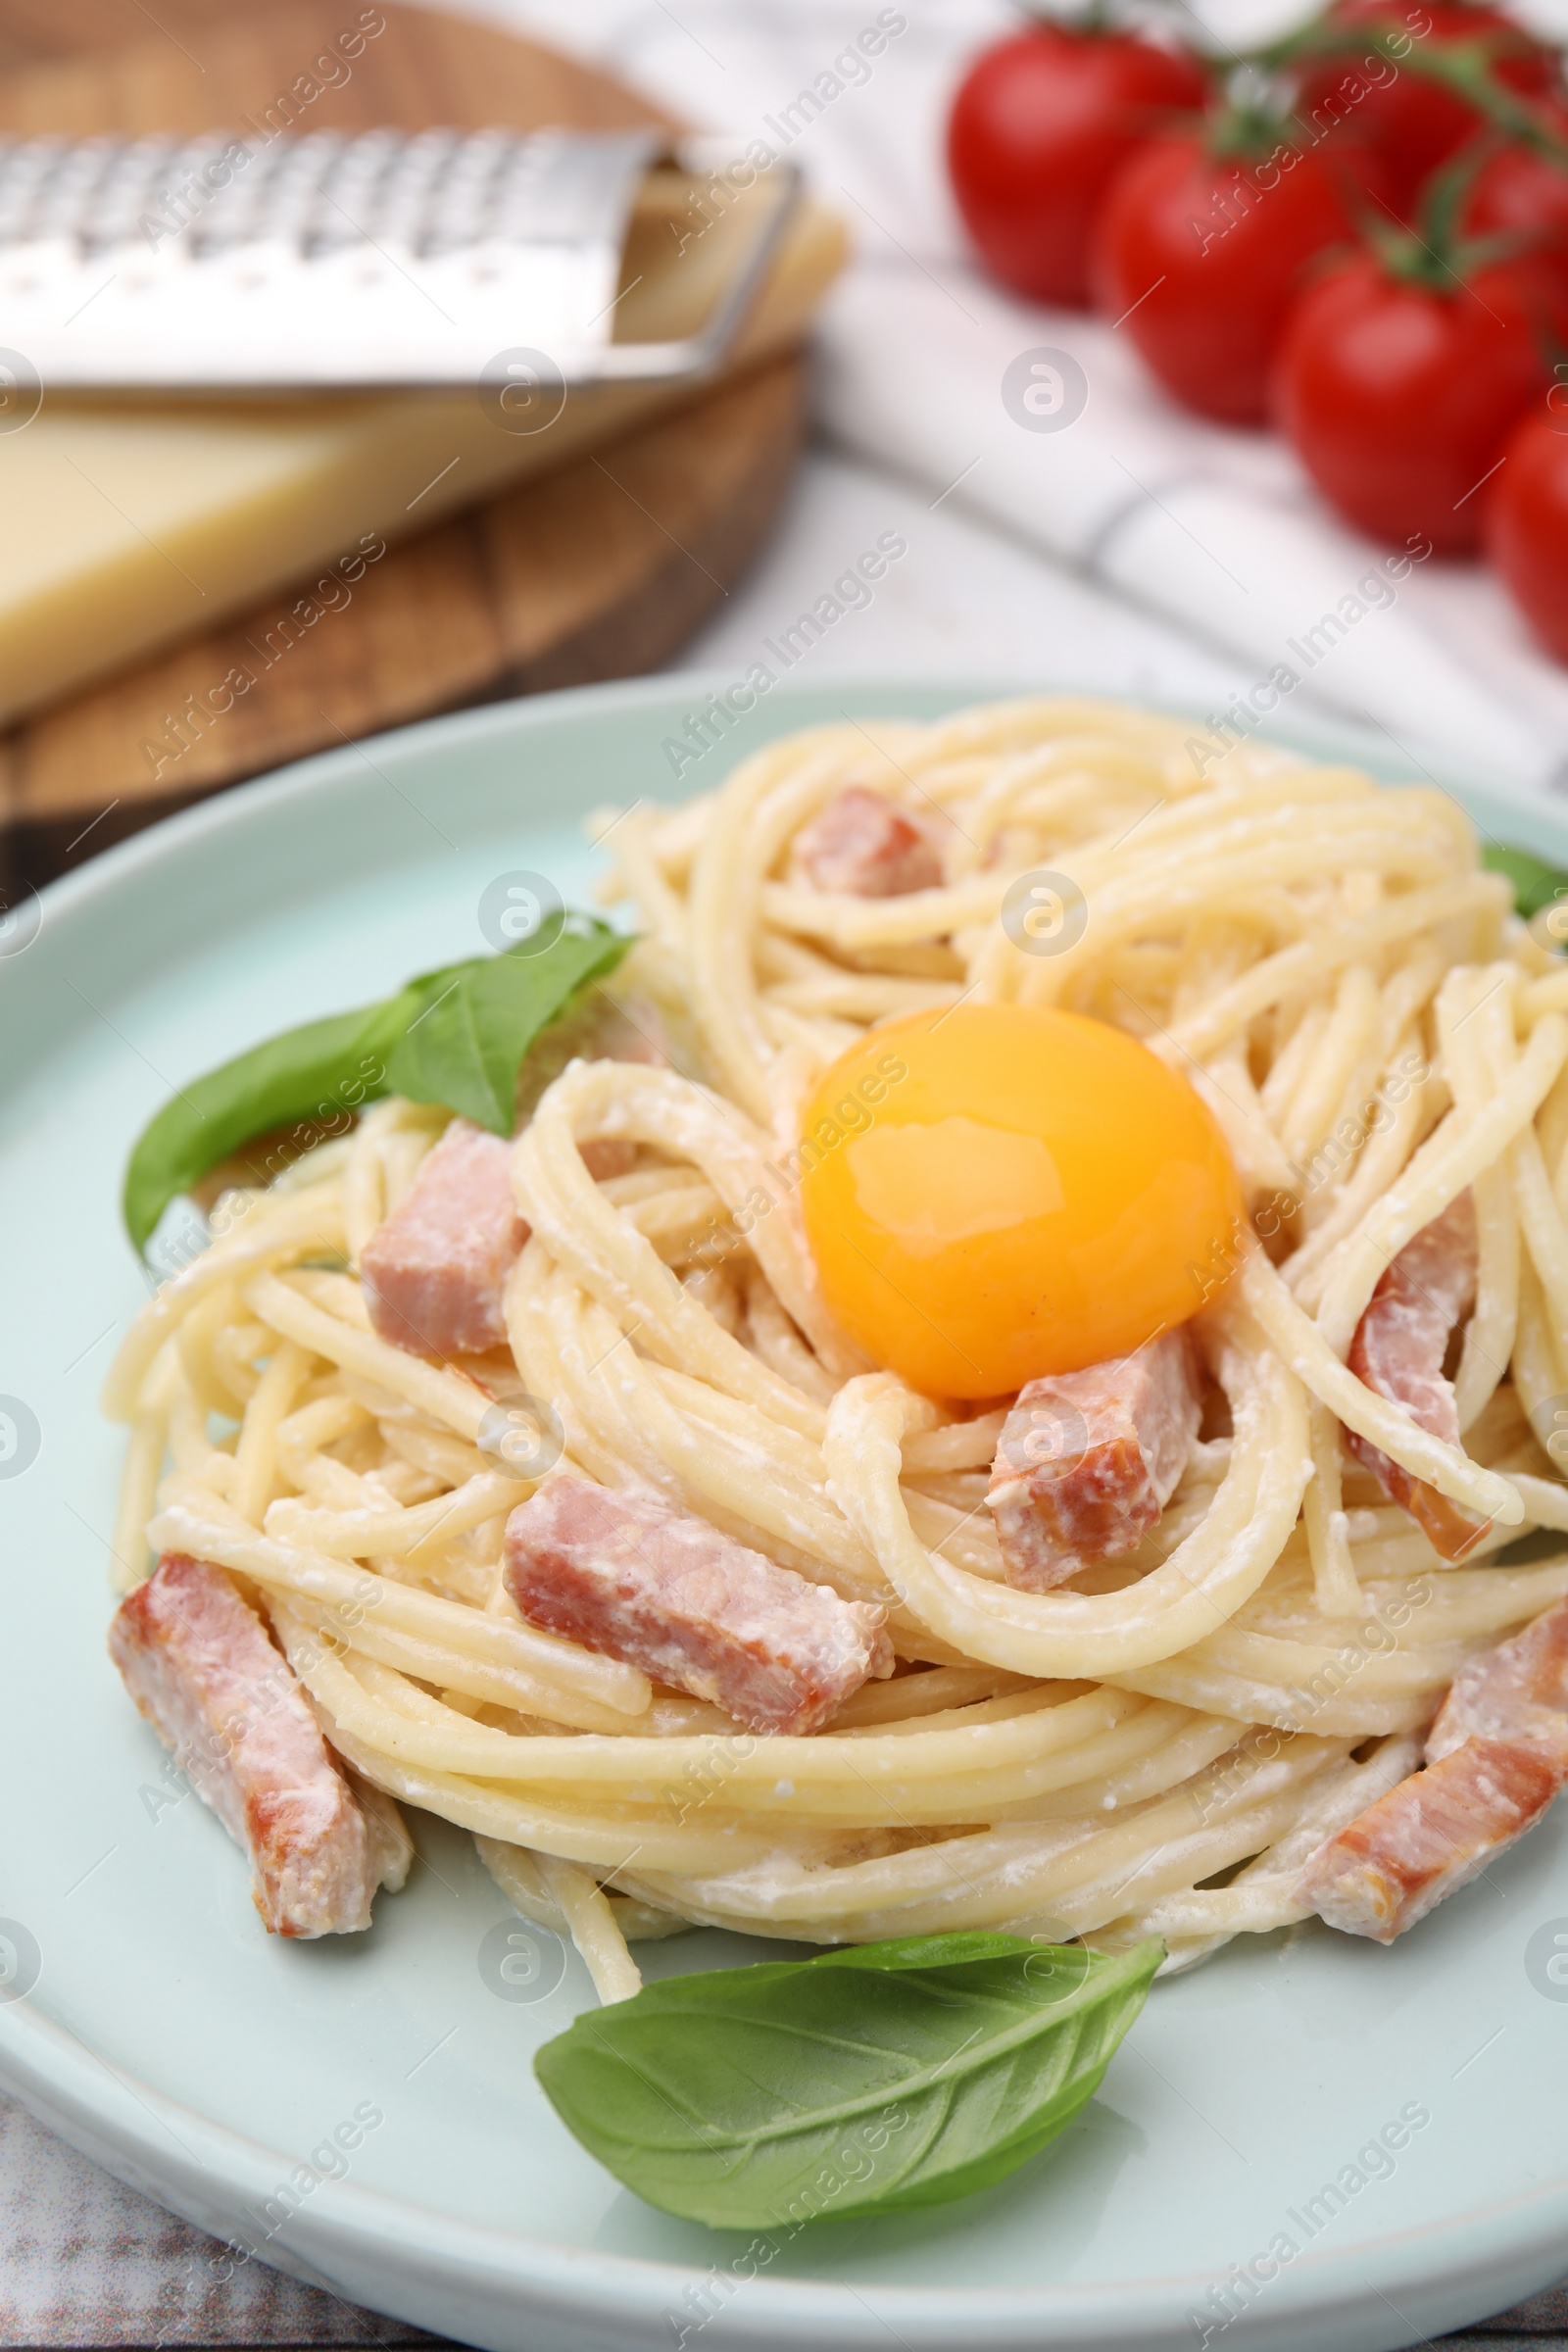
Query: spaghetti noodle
1153	1751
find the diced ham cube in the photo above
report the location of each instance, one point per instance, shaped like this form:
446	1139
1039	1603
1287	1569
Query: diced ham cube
596	1028
389	1847
1429	1836
1517	1692
608	1156
434	1270
1495	1757
1399	1349
626	1575
1087	1460
203	1669
867	846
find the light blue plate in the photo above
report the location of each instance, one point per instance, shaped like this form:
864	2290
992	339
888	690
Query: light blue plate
204	2062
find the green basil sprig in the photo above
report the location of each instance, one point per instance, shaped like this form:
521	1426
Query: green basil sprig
455	1036
1535	883
880	2076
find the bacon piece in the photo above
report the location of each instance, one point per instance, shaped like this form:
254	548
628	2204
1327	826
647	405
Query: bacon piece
626	1575
434	1270
1496	1755
869	847
1398	1351
1087	1460
1429	1836
595	1029
388	1844
202	1667
1516	1693
608	1156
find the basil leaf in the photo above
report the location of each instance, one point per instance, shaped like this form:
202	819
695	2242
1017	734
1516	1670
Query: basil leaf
317	1075
868	2079
1535	883
473	1022
455	1036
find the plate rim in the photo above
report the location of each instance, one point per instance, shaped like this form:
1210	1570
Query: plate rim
337	2242
342	2239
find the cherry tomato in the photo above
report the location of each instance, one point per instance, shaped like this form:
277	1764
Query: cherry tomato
1525	524
1520	189
1397	397
1412	122
1198	257
1039	126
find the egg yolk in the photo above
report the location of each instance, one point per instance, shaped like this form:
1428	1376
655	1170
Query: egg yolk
1001	1191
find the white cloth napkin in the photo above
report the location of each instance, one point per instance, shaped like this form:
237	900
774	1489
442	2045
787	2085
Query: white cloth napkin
929	370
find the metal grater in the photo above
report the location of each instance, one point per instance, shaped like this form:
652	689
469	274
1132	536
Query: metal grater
441	257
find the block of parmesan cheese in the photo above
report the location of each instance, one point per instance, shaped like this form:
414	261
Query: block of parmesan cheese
130	523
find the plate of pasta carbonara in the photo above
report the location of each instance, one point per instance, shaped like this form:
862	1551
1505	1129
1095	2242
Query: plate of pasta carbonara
898	1473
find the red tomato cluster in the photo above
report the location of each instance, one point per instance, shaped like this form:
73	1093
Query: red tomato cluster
1367	246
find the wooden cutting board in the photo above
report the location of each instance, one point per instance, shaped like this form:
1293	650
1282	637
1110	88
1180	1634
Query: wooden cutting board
599	569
